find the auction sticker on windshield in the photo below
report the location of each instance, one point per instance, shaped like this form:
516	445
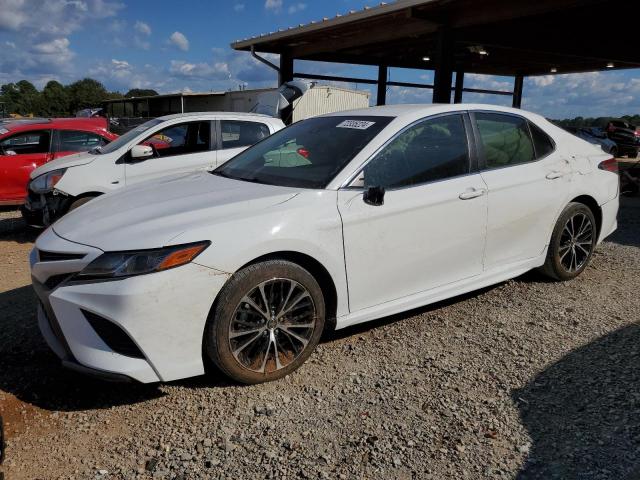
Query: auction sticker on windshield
357	124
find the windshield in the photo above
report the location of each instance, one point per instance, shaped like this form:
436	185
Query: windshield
127	137
307	154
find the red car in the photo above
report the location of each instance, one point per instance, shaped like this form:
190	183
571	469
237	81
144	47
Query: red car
27	144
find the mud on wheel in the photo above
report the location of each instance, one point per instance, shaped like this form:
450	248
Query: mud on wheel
572	243
267	321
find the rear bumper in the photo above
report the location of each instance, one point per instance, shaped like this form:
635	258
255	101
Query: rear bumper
609	217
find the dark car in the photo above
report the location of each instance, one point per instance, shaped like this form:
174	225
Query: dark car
625	135
596	136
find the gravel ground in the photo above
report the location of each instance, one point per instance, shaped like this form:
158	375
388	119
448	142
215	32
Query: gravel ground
527	379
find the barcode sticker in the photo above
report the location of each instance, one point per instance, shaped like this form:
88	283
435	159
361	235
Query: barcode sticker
356	124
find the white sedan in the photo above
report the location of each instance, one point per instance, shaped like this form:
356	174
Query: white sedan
333	221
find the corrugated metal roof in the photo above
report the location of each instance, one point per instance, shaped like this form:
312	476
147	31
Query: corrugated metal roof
326	22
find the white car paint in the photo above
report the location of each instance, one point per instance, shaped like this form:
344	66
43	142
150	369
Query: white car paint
89	173
426	243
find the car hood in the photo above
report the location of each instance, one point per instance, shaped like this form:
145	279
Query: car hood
64	162
151	214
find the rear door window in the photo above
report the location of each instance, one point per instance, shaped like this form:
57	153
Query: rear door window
181	139
27	143
78	141
505	139
237	134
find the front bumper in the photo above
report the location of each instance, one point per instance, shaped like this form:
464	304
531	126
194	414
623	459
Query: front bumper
163	314
41	210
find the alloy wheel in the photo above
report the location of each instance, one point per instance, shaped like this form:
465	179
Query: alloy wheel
576	242
272	325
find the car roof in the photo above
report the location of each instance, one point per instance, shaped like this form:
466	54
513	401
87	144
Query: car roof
26	124
214	115
424	110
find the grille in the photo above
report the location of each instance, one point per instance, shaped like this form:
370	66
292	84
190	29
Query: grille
55	280
111	334
45	256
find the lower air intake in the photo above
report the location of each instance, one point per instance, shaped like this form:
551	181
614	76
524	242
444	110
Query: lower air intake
111	334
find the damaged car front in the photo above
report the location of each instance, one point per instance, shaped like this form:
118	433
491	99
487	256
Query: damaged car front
46	202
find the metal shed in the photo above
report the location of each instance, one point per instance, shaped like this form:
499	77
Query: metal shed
499	37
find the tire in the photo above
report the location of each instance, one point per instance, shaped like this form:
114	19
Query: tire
572	243
249	357
79	202
614	152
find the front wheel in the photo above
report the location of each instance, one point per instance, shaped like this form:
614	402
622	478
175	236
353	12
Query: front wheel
267	321
572	243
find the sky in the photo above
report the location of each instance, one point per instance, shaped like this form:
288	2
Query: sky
185	46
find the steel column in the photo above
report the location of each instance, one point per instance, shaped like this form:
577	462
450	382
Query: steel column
517	91
381	98
443	66
457	96
286	69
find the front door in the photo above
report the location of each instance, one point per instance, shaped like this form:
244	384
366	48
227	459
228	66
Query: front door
178	148
430	229
20	154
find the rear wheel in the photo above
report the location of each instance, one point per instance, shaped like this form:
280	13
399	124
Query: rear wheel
572	243
267	321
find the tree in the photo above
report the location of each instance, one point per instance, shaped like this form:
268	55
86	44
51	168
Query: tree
55	100
86	93
140	92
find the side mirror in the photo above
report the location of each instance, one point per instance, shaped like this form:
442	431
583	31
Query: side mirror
141	152
374	196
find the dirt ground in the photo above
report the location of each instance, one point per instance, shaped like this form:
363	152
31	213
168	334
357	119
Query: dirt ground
527	379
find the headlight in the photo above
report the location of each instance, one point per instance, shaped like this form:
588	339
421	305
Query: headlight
127	264
45	182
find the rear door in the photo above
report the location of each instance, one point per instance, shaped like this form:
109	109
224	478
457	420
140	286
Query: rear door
430	230
236	135
20	154
178	148
527	179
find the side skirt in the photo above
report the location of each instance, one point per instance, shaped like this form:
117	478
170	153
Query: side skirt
444	292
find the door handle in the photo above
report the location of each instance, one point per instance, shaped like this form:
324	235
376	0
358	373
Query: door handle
554	175
472	193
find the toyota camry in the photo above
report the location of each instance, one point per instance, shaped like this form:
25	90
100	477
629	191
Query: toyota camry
330	222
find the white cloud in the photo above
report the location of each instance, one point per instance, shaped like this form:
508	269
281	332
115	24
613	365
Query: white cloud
214	71
239	7
55	46
120	64
179	40
142	28
296	7
39	33
273	5
543	81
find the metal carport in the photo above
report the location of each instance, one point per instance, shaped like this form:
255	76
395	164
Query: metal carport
515	38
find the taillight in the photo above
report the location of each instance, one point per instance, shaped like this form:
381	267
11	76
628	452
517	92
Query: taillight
637	133
303	152
610	165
